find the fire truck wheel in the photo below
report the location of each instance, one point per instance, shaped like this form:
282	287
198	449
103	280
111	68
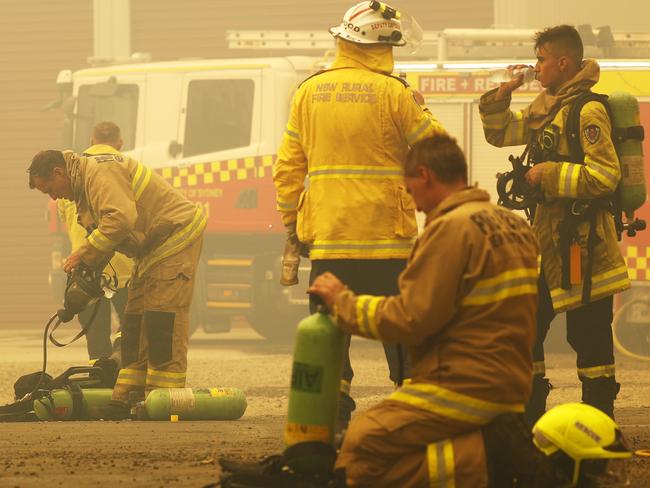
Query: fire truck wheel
631	328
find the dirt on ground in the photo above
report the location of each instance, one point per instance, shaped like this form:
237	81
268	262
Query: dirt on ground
185	454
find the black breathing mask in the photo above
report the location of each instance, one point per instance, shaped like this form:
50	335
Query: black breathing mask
84	287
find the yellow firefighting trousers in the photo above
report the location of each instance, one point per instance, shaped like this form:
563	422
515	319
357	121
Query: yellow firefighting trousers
393	445
155	333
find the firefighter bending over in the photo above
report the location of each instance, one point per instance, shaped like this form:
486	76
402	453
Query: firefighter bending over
349	130
582	265
129	208
106	139
466	310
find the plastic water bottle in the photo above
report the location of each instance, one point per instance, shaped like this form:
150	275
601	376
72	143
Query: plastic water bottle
504	74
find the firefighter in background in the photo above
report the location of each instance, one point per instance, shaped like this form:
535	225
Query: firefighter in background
105	139
129	208
574	226
349	130
466	309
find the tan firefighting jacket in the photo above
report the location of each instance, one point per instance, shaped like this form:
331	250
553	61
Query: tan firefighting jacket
120	266
131	209
349	131
564	182
466	311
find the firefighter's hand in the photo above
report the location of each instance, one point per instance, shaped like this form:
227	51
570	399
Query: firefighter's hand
506	88
292	237
534	175
327	286
71	262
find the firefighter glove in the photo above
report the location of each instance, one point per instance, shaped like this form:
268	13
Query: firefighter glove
293	249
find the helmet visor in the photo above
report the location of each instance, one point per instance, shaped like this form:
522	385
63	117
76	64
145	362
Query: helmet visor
412	33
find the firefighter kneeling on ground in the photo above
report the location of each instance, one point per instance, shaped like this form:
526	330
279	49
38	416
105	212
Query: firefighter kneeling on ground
466	310
129	208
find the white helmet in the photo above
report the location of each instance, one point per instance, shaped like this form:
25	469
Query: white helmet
374	22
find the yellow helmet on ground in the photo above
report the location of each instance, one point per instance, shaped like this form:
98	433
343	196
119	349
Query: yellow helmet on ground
580	431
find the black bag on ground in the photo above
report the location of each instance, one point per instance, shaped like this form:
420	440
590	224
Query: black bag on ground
102	374
26	383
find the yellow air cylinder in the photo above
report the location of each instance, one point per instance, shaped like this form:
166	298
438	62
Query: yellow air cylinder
314	394
628	137
196	403
61	405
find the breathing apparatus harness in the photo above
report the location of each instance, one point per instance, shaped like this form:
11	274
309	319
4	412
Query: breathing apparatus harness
84	288
515	193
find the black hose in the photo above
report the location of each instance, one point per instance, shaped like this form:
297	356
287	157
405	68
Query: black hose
65	316
15	411
44	369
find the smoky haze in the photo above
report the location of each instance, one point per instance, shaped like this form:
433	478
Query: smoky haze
41	37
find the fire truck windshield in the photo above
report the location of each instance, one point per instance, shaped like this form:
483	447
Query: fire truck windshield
106	102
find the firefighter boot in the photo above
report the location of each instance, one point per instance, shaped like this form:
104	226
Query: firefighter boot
511	455
600	393
536	405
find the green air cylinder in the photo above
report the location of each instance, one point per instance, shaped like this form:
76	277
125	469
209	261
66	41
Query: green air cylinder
196	403
60	405
625	112
315	381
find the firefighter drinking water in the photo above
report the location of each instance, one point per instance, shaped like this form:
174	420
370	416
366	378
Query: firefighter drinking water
129	208
465	307
582	266
349	130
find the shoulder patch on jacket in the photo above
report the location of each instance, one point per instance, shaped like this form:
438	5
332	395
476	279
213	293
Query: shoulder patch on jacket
592	133
105	158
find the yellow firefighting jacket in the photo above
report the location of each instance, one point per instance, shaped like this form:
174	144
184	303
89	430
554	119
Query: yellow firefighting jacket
120	266
564	182
349	131
131	209
466	311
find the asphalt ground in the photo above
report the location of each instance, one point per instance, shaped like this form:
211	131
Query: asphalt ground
185	453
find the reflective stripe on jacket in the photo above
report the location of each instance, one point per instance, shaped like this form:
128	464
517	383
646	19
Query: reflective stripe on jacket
564	182
133	209
349	131
466	310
